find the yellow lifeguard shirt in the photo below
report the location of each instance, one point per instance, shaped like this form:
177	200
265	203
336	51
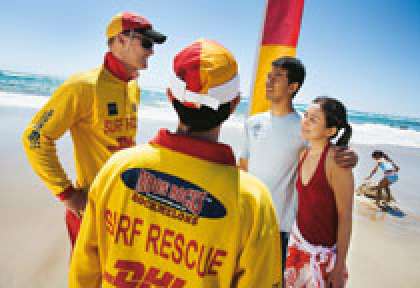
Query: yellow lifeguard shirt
99	109
176	213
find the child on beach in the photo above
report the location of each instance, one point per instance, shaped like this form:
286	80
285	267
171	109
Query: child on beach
390	170
320	237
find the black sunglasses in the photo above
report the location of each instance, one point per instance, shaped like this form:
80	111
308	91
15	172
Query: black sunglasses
145	41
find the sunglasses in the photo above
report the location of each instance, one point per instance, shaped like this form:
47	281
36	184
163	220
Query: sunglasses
145	41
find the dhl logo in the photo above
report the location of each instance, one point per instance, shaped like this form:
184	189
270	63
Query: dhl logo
134	274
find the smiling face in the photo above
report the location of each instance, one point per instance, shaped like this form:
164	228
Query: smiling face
277	85
130	50
136	55
314	124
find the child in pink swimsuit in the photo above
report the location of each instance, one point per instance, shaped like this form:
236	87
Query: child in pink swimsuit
320	238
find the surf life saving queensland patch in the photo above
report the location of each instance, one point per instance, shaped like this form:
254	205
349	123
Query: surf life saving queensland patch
172	196
35	136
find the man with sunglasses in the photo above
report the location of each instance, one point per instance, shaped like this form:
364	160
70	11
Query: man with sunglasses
99	108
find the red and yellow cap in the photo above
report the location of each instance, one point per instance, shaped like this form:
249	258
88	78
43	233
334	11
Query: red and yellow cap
205	73
131	21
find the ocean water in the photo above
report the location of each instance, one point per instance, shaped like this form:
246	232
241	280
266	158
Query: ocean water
32	91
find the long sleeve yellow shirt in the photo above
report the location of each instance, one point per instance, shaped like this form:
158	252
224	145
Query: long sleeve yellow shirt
99	110
174	213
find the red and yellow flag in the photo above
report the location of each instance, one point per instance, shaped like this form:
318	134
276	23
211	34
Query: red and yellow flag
279	38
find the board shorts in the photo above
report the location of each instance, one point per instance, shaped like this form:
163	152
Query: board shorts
73	226
392	178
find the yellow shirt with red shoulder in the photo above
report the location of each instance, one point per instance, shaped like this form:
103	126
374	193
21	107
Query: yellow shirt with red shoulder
176	213
99	109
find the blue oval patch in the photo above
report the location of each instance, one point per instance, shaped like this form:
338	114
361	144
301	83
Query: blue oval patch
174	192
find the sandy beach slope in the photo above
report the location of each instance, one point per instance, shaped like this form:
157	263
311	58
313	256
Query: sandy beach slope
34	249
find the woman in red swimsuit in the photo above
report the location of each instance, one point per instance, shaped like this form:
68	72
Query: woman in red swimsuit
320	238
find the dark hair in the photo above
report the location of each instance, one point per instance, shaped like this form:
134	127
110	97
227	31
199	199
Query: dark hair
335	116
202	119
379	154
295	70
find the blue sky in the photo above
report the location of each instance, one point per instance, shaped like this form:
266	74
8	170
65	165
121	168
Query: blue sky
362	52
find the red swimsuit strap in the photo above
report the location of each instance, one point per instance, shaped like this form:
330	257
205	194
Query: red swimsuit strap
320	164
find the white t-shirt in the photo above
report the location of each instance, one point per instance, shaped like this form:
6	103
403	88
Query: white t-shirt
272	145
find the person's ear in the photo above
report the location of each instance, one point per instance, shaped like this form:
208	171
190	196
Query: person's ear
119	38
122	40
169	95
331	131
293	87
234	103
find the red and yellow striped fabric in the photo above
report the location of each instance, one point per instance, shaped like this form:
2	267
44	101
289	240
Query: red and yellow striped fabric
205	73
279	38
205	64
126	21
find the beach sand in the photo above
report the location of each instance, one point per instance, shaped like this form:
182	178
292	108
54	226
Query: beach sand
34	247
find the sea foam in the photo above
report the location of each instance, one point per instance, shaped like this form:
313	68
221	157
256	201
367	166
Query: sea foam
367	133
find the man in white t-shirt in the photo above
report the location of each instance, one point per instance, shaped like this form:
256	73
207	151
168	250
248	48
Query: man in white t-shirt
273	141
